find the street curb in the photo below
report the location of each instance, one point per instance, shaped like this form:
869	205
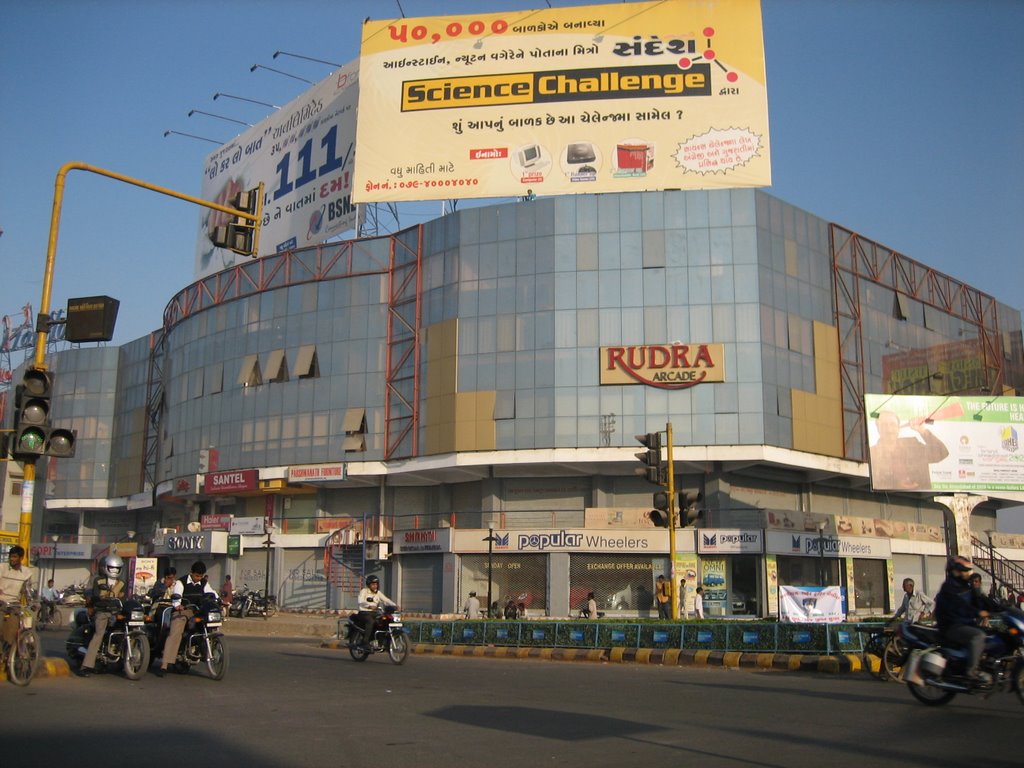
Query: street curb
671	657
49	666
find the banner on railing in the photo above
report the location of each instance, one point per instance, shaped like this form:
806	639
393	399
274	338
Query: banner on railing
811	605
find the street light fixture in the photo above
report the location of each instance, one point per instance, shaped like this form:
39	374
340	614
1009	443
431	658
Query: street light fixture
491	538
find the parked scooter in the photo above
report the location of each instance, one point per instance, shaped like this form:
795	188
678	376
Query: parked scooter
388	636
934	672
125	643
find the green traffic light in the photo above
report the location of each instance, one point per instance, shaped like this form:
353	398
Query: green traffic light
31	441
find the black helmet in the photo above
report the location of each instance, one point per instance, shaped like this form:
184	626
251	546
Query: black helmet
959	565
372	580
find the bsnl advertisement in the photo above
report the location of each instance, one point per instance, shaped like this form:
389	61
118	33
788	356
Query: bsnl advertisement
604	98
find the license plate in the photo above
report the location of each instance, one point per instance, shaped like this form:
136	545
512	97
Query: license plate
214	625
136	624
396	624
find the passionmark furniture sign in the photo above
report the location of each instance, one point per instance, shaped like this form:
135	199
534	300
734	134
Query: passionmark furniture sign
603	98
668	366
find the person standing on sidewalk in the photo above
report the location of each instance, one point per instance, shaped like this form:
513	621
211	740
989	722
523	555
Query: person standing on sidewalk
472	607
663	596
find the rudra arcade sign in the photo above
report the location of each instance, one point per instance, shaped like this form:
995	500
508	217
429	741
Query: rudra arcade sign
667	366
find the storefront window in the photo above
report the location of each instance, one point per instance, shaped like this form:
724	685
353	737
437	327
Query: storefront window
871	586
521	578
806	571
619	582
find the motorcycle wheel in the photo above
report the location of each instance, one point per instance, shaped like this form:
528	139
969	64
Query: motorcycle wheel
136	656
356	652
930	695
23	658
893	656
217	661
398	648
271	608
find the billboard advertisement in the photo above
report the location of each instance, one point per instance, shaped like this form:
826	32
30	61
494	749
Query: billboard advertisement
303	153
603	98
928	443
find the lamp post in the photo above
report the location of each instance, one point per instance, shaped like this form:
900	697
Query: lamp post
491	538
53	566
269	530
821	553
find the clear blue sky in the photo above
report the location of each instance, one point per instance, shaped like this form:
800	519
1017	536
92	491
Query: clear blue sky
900	119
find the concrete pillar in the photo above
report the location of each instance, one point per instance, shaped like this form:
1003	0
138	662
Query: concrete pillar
958	510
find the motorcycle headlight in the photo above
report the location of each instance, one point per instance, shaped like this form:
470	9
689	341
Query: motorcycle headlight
138	615
214	616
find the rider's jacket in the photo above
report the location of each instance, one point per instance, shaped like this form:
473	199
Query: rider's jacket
955	605
105	592
192	591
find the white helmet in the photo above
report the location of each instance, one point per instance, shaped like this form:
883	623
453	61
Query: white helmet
113	566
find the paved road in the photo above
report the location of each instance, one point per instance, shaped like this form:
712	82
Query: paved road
289	702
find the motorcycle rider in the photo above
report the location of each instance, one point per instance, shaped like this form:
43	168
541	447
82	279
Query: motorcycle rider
958	615
915	604
194	588
106	590
370	598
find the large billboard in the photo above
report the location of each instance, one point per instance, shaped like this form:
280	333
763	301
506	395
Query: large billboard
303	153
606	98
948	443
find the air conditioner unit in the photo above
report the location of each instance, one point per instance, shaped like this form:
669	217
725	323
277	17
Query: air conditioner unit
379	550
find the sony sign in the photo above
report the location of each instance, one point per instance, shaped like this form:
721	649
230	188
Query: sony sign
186	543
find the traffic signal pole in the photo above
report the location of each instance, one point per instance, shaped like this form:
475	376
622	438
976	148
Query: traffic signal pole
42	318
672	522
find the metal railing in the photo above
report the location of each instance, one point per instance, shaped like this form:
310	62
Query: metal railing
1002	570
727	636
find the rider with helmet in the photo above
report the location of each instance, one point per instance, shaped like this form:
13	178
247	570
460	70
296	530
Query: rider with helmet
370	598
102	599
958	615
192	589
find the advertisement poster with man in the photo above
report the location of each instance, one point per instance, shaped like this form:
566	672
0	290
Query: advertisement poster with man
930	443
605	98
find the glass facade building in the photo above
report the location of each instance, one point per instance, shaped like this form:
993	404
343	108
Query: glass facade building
455	374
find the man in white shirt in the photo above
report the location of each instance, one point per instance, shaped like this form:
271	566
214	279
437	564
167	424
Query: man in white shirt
472	607
194	588
370	598
14	581
915	604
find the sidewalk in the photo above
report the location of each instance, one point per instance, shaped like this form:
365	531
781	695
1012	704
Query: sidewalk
324	625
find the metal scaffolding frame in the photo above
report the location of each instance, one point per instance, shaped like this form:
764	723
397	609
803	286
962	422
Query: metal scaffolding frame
856	258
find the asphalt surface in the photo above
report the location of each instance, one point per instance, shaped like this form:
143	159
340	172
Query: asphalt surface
324	626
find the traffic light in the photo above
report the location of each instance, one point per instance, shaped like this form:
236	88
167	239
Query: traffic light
659	515
688	511
240	234
34	435
653	470
32	414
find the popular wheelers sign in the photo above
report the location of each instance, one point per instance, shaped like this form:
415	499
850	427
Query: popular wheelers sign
668	366
232	482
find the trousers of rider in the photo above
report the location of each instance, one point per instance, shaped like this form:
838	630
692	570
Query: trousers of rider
101	620
178	621
367	620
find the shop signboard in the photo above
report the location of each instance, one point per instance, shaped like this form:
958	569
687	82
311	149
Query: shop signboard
573	540
248	526
729	541
812	545
232	481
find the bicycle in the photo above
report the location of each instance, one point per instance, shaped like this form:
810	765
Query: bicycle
48	615
22	657
883	652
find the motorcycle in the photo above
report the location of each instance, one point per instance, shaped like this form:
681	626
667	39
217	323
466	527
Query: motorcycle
246	602
202	642
388	636
125	642
935	672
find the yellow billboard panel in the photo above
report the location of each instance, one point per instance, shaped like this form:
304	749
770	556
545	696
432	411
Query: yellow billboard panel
607	98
